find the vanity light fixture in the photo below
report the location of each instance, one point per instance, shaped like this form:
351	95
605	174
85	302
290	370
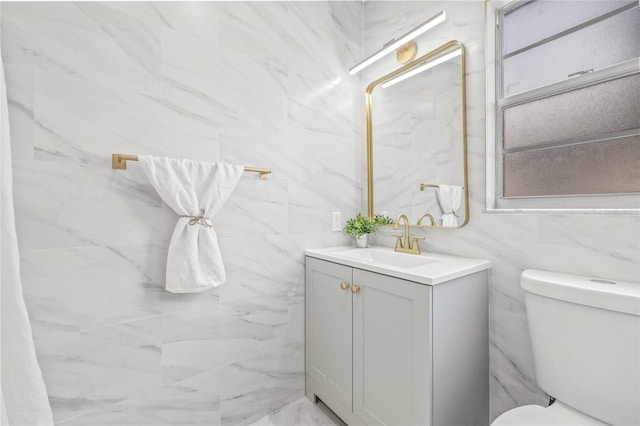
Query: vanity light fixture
422	68
396	43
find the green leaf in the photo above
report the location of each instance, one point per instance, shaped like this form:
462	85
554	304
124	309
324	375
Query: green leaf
360	225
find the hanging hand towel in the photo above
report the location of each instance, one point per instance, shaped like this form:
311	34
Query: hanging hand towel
450	199
196	191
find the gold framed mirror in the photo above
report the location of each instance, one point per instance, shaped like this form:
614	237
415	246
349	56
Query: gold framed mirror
417	146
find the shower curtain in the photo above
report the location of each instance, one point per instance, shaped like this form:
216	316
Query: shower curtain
23	395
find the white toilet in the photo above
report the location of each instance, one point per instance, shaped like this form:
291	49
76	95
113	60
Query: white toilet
585	336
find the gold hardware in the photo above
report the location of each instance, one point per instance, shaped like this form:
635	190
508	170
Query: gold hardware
433	221
344	285
119	162
369	123
428	185
405	246
398	241
407	53
414	245
264	173
355	289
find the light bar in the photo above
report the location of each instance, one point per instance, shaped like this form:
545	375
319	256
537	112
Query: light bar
422	68
395	44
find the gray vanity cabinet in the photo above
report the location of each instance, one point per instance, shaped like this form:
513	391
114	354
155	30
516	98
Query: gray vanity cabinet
329	331
395	352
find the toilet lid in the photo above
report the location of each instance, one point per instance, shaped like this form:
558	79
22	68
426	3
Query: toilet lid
535	415
528	415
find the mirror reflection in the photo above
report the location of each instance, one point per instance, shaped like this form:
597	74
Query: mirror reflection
416	140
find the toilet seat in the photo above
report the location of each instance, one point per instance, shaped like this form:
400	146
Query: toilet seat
557	414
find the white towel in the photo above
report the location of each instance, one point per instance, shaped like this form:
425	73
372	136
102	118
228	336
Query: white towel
23	395
450	199
196	191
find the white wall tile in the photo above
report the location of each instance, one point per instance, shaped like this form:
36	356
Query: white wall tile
20	100
65	204
194	401
323	105
210	81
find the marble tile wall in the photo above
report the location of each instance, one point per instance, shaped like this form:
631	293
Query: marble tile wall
254	83
600	246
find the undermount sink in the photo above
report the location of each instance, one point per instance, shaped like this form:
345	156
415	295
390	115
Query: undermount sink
425	268
386	257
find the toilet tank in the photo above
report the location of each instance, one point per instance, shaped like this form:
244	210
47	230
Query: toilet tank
585	337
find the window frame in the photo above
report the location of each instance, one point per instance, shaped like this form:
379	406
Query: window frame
626	203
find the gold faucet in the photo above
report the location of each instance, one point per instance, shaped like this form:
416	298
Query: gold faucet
405	246
433	221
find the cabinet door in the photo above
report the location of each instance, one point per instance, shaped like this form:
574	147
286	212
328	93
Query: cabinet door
329	328
391	348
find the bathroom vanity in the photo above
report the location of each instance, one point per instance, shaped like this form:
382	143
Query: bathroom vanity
397	339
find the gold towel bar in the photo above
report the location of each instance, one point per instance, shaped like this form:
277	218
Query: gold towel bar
119	161
428	185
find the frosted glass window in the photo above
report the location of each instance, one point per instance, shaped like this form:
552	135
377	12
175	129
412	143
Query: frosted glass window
603	167
609	107
567	105
536	21
594	47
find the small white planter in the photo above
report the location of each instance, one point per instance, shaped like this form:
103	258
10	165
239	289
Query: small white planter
362	241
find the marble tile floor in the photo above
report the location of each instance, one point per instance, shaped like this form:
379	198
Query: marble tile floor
301	412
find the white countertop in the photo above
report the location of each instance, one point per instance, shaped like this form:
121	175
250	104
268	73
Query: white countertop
425	268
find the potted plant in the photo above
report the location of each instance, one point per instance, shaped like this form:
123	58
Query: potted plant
382	219
360	227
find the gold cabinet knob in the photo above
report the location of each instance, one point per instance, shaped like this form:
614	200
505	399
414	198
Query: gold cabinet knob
355	289
344	285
